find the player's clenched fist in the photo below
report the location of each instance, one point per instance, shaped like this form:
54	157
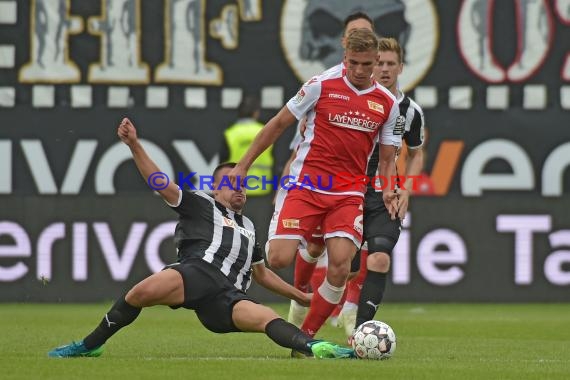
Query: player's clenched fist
127	132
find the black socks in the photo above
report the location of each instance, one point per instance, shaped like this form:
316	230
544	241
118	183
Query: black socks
370	296
120	315
288	335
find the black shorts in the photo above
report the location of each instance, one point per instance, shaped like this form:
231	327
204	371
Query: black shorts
377	221
210	294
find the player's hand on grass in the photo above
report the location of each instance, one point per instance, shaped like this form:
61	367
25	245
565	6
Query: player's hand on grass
127	132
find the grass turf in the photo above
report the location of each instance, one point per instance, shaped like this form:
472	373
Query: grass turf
435	341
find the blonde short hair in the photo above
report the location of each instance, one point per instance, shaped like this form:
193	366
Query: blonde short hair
361	39
391	44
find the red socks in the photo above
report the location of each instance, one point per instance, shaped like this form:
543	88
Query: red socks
323	303
304	267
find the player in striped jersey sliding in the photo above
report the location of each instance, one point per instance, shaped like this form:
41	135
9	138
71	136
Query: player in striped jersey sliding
217	257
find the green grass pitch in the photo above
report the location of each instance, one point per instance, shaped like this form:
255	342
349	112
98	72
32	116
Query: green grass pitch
435	341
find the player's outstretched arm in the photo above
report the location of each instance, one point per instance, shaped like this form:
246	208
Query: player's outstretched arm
128	134
264	139
270	280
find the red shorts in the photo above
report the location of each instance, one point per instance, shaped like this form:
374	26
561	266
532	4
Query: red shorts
317	237
299	212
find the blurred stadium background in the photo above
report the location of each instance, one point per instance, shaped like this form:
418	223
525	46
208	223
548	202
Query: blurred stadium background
77	223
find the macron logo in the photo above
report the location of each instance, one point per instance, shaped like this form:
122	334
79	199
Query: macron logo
339	96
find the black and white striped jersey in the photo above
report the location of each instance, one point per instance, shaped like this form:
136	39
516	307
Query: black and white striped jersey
208	230
413	120
410	123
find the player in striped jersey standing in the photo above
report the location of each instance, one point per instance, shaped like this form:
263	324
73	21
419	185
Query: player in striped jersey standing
217	257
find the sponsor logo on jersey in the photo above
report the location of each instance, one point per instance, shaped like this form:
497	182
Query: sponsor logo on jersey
376	107
400	125
354	120
339	96
299	97
232	224
290	223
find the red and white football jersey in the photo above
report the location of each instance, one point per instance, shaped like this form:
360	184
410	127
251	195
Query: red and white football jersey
343	124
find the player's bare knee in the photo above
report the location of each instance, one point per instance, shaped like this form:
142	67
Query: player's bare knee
144	294
275	261
337	273
138	296
378	262
249	316
264	319
380	248
315	250
268	315
279	256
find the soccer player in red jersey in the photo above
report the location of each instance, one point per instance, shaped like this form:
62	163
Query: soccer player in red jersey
347	113
306	260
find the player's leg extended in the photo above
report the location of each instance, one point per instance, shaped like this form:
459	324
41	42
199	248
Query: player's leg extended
163	288
249	316
328	295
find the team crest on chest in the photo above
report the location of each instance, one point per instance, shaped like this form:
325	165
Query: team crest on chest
376	107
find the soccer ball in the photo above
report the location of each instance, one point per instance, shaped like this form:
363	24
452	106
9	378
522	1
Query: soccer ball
374	340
